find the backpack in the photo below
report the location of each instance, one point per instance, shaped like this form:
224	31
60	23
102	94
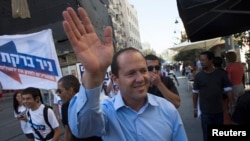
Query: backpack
45	116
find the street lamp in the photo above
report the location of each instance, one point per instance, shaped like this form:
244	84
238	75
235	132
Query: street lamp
183	35
177	32
176	21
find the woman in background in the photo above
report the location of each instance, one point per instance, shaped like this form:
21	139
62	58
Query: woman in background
235	71
20	112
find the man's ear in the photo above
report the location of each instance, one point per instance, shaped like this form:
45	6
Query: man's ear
114	79
37	99
71	89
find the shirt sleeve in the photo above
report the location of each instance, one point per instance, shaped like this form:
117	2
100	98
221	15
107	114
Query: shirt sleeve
168	82
84	115
179	133
227	85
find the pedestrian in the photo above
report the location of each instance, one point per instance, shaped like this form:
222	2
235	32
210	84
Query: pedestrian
198	65
112	88
235	71
128	115
163	71
188	72
171	74
241	114
183	72
209	85
160	85
68	86
36	116
20	112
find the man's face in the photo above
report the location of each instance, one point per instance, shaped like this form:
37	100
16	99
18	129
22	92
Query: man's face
133	79
29	101
65	94
168	68
205	62
153	66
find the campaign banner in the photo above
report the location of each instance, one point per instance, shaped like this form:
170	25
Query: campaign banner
80	70
29	60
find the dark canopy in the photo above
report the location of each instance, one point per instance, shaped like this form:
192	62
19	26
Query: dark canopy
206	19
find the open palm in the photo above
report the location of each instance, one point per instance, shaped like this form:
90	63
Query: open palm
94	54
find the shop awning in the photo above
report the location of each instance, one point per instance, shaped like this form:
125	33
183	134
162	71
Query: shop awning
205	44
206	19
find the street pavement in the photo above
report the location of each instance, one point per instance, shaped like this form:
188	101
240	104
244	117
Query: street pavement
192	125
11	131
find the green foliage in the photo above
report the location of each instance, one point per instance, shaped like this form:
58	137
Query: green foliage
242	38
190	55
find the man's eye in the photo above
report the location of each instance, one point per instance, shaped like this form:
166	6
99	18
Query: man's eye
131	73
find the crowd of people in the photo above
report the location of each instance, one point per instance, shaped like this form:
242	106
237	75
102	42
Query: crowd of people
142	103
217	89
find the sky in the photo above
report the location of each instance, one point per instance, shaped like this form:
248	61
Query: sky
157	22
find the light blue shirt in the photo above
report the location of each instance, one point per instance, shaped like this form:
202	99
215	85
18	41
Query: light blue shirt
157	120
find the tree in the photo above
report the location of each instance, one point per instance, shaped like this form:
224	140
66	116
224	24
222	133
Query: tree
189	55
243	38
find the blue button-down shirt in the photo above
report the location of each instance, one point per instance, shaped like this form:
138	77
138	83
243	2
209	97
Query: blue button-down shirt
157	120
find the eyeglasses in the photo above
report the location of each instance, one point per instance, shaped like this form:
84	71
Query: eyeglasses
151	68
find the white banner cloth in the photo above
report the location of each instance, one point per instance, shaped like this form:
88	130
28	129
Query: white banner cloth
29	60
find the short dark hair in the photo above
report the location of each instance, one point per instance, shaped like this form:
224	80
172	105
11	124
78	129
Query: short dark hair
209	54
69	81
152	57
35	93
231	56
115	64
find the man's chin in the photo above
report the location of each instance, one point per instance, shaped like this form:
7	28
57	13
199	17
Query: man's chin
142	90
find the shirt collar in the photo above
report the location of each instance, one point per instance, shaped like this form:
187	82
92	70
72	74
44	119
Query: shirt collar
119	103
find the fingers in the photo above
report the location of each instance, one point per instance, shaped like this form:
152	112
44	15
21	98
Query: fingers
71	19
108	36
154	78
86	21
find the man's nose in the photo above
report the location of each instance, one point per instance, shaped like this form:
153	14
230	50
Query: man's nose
139	76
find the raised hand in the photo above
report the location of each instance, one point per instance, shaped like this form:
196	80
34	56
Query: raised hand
154	78
94	54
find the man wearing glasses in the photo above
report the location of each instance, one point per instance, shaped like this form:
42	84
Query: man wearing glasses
68	87
159	85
